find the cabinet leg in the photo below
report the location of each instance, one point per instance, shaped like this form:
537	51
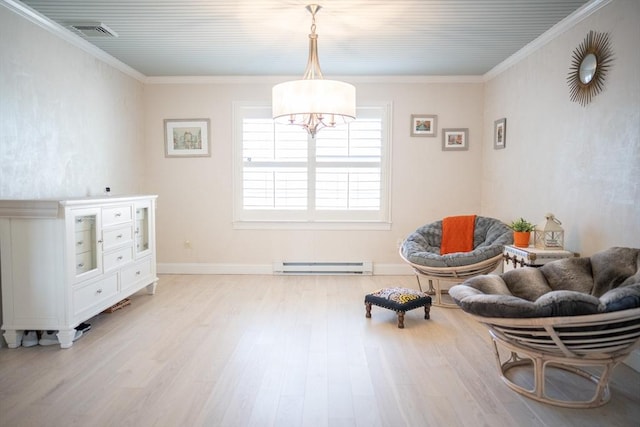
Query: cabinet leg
13	338
151	288
66	337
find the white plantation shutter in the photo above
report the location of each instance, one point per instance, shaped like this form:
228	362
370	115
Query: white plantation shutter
349	166
284	175
274	166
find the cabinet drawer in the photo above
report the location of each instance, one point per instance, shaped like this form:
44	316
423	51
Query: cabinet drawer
117	258
117	237
134	274
93	294
84	241
116	215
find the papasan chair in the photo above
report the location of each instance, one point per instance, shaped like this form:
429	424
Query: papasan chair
578	317
454	249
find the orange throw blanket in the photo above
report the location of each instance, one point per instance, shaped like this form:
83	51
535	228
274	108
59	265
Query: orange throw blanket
457	234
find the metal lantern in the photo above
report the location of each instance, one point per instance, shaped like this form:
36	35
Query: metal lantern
549	234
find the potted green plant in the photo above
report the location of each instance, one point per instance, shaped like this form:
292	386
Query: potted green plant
522	232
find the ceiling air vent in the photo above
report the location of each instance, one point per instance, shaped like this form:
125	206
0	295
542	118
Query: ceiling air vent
93	29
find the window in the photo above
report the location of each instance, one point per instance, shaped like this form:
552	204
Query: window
282	175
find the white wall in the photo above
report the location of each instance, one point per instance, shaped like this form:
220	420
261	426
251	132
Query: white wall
581	163
69	123
195	194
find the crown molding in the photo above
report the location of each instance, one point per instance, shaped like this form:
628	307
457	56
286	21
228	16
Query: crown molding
42	21
566	24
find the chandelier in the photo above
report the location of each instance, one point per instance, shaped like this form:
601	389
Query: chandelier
313	102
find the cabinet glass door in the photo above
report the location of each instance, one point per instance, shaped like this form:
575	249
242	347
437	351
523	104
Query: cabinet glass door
85	230
141	230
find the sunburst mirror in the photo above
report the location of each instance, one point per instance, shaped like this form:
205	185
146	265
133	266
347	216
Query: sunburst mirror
589	66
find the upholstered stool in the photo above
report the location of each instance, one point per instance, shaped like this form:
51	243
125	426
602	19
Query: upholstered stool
399	300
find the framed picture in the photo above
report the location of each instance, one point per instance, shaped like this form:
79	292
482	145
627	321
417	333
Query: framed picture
500	134
186	138
455	139
424	125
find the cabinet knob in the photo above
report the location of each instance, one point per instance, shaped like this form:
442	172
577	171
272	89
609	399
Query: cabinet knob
120	258
138	273
79	242
119	236
99	291
118	215
81	265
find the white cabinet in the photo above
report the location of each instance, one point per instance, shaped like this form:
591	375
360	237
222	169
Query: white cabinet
64	261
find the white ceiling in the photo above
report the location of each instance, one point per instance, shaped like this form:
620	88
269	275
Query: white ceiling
355	37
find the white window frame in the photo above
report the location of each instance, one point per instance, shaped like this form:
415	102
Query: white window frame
314	219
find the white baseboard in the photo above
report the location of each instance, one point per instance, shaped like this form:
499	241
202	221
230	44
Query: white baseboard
199	268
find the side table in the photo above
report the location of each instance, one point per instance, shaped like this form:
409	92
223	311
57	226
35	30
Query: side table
515	257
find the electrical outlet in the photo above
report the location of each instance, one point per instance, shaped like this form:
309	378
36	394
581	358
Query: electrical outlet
187	244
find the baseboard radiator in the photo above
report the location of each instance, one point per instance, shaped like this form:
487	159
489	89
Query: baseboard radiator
355	268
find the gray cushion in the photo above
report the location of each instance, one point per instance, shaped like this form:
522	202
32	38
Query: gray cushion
490	235
608	281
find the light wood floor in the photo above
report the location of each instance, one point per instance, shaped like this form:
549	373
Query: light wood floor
279	351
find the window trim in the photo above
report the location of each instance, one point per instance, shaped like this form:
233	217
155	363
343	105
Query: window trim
301	220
